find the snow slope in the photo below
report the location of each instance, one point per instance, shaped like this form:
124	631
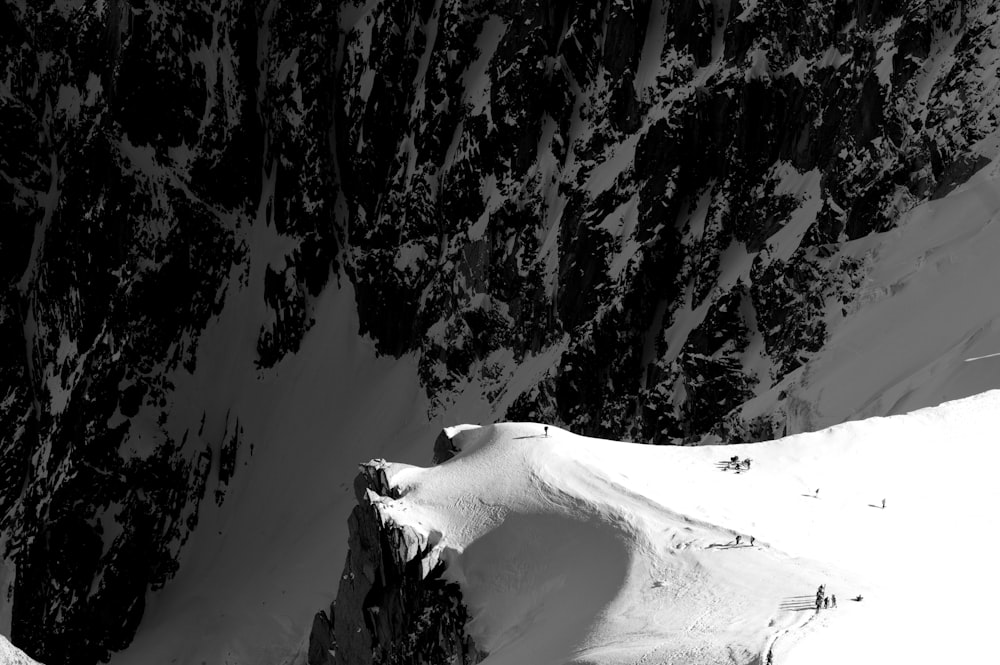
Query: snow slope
570	549
11	655
262	563
926	328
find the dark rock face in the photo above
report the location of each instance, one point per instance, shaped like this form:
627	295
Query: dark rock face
585	197
444	448
624	198
393	606
134	138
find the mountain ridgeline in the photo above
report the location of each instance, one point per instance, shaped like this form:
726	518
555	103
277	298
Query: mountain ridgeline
621	217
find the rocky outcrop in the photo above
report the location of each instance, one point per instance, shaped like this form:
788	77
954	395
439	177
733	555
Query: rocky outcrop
445	445
393	605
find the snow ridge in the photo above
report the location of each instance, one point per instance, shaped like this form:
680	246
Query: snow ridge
576	550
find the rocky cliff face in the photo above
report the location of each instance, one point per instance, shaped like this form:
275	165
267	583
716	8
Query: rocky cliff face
393	606
147	148
600	215
644	189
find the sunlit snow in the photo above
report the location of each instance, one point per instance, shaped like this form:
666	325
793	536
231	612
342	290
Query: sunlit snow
571	549
11	655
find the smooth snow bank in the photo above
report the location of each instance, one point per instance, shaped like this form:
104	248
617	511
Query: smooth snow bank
927	326
11	655
570	549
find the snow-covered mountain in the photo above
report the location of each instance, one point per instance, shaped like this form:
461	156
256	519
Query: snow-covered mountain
249	244
559	548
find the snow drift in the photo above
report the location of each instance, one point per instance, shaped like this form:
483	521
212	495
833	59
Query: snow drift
572	549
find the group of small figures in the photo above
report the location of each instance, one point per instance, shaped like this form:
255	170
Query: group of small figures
824	602
736	463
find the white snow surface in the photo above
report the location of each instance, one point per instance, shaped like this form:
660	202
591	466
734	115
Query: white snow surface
11	655
577	550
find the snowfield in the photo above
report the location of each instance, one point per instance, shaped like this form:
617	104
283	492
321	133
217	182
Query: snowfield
570	549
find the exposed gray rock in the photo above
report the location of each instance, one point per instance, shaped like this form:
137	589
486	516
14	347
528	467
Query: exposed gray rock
393	606
444	448
320	650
